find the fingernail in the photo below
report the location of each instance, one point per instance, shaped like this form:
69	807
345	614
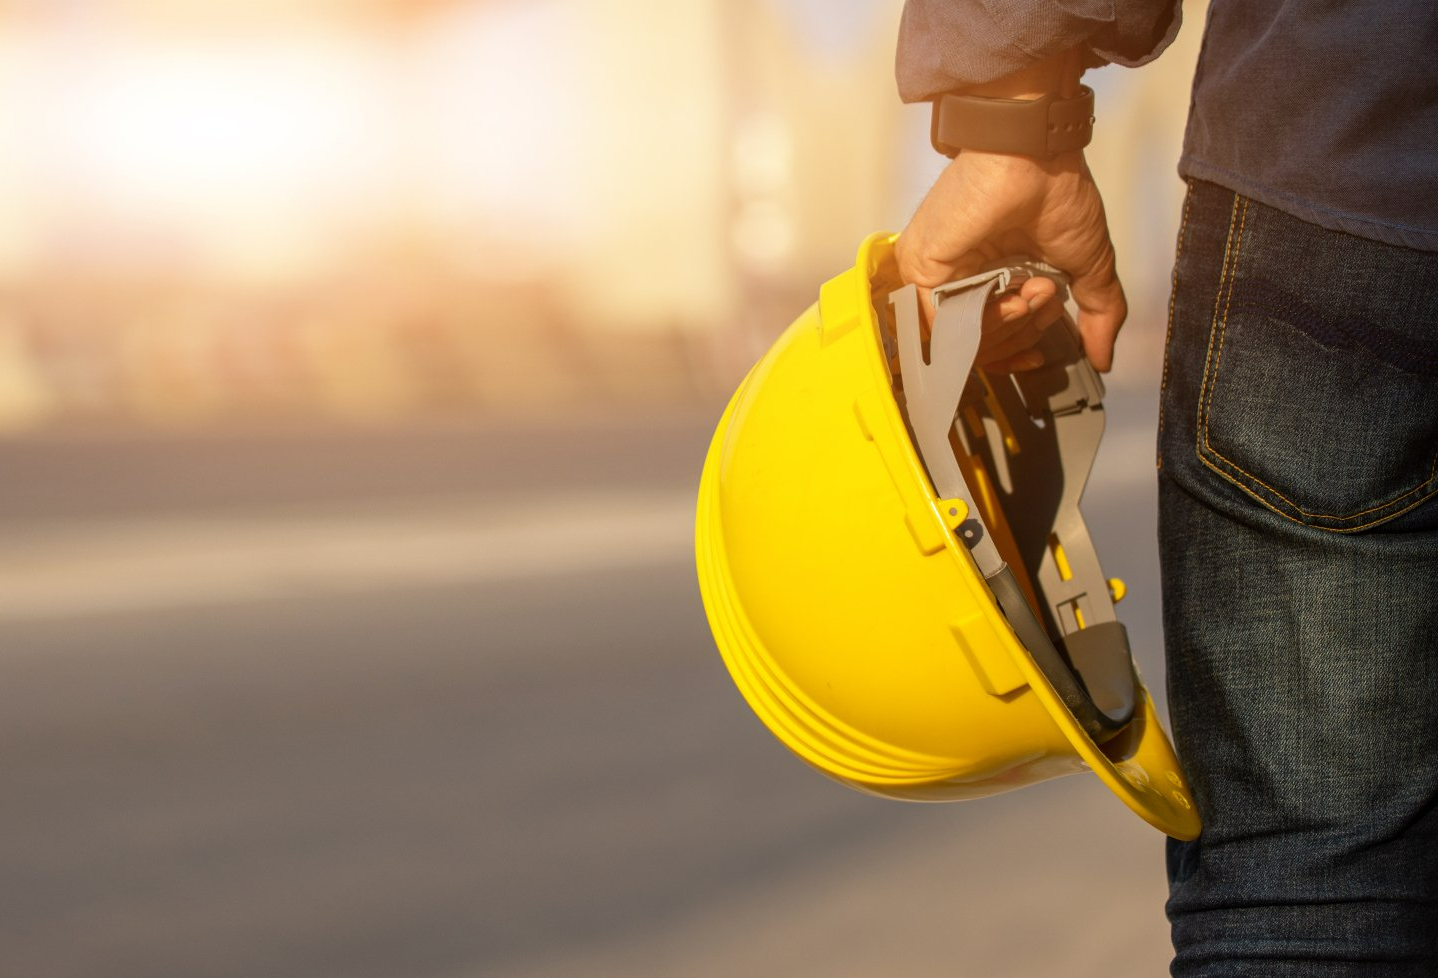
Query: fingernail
1039	301
1015	316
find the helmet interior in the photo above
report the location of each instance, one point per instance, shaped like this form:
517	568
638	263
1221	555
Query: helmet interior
1017	449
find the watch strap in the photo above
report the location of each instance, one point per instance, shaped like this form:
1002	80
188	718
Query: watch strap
1041	127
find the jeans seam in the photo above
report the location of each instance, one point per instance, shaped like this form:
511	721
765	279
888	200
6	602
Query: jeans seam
1218	332
1168	336
1223	279
1222	324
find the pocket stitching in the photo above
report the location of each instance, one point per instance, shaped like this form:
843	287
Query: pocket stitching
1334	529
1168	336
1218	332
1204	395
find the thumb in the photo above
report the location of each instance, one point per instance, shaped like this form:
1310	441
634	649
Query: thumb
1102	310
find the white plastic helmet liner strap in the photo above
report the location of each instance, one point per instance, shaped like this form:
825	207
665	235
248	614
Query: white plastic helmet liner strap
932	389
1095	680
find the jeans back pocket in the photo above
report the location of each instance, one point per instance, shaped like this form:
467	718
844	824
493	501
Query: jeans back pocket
1319	395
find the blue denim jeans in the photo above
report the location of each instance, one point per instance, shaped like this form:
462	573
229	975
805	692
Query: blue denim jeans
1298	500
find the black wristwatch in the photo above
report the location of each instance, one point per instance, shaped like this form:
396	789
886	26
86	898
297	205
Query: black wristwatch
1041	127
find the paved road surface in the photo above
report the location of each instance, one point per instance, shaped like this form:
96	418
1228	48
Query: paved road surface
272	706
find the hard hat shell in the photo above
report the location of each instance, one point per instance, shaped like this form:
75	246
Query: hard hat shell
851	615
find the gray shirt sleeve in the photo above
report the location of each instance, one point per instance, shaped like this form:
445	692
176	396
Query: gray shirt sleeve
950	44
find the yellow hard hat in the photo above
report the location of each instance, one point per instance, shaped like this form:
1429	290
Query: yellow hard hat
893	562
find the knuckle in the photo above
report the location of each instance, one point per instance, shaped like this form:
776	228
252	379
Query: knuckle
921	271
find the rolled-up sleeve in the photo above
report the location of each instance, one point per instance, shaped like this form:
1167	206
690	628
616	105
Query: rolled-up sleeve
949	44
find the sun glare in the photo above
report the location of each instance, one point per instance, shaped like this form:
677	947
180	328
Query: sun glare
196	129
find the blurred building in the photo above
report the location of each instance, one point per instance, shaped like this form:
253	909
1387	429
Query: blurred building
234	209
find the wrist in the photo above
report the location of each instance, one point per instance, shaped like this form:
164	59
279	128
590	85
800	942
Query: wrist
1042	111
1026	179
1044	127
1059	74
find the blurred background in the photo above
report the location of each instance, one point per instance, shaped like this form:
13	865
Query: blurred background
357	362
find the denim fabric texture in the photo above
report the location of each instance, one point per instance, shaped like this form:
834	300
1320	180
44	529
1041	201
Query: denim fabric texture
1298	512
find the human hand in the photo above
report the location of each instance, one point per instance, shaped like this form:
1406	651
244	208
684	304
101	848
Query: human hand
987	206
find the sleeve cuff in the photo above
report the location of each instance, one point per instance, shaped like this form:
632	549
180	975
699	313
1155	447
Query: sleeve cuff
946	45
